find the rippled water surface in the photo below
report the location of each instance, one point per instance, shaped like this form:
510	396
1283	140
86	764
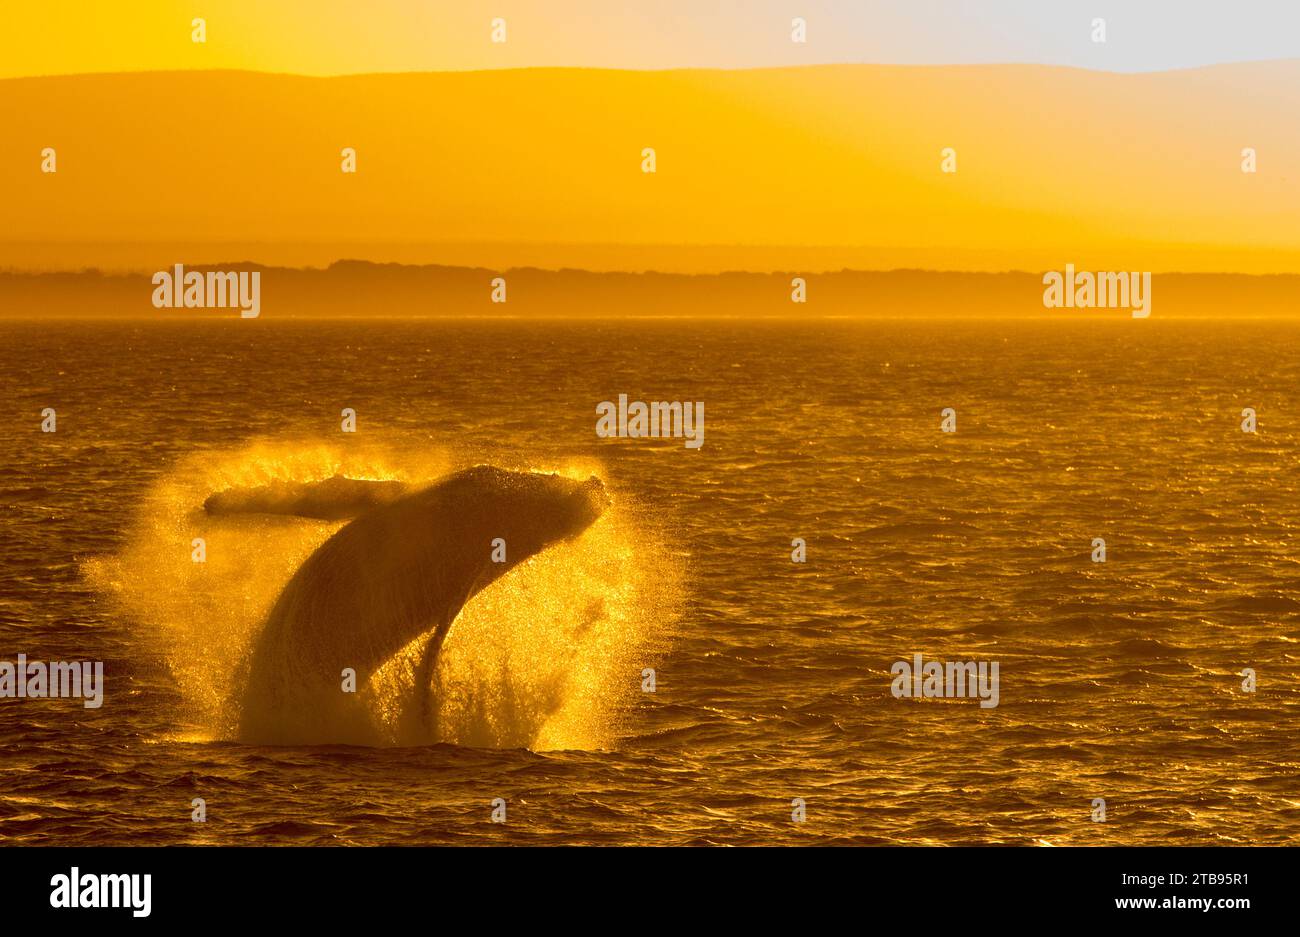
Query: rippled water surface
1117	680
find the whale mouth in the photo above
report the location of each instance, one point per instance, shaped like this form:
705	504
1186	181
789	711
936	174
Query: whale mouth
588	502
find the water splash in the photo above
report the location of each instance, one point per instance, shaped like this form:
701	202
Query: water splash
548	657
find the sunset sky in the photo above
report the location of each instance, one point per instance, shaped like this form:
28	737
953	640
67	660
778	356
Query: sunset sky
1125	154
328	37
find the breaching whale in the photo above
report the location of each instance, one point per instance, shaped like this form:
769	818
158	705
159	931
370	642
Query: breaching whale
402	569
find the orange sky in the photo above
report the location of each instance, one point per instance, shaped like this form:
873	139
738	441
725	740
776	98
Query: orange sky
341	37
801	168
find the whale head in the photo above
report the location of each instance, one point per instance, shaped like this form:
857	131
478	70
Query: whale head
565	506
586	502
531	509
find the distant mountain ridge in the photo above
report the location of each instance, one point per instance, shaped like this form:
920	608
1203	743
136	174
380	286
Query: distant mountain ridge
839	166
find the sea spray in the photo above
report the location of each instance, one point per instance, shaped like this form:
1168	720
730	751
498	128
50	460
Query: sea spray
548	657
200	617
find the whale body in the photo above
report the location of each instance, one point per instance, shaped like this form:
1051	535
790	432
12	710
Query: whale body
402	569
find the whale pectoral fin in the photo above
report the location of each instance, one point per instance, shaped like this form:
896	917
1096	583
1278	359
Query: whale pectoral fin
424	672
333	499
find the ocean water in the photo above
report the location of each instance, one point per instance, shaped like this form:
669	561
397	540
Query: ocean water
1118	680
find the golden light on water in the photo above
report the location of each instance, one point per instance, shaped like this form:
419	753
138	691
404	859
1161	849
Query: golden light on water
919	461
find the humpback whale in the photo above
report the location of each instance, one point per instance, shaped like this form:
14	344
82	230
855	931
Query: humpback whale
400	570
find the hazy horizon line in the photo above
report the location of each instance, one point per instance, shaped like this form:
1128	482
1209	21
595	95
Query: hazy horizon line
525	268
